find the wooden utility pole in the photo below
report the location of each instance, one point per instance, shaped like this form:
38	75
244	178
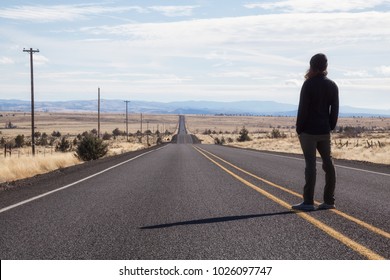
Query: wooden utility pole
127	121
32	51
147	133
99	112
141	125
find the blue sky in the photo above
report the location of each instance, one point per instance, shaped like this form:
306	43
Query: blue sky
194	50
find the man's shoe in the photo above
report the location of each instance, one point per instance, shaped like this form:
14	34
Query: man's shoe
325	206
303	207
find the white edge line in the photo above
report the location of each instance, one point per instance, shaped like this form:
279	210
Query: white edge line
342	166
74	183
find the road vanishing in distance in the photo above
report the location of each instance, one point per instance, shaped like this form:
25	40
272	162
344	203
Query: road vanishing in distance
185	200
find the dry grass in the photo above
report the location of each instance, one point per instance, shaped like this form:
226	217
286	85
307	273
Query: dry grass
21	165
358	148
14	168
75	123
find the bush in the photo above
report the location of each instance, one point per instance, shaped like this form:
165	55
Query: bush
277	134
243	135
64	145
117	132
91	148
56	134
106	136
19	141
218	141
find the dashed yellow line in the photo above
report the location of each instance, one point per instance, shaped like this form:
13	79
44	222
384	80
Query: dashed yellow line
369	254
338	212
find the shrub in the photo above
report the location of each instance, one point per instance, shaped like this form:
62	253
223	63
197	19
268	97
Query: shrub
19	141
243	135
218	141
44	139
64	145
94	131
117	132
277	134
56	134
106	136
91	148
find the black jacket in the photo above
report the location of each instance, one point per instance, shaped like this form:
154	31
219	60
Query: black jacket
318	106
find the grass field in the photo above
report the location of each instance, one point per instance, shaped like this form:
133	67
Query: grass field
369	140
19	163
371	145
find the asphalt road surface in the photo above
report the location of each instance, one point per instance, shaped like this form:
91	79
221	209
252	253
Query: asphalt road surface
193	201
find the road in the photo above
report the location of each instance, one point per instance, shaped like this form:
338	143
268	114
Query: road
193	201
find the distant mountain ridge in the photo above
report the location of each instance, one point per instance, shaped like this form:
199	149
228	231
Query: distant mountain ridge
179	107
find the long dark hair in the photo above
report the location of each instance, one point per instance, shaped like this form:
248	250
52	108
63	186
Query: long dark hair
310	73
318	65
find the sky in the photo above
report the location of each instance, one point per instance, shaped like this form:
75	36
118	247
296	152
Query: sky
218	50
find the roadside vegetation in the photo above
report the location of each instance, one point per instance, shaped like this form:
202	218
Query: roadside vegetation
362	139
55	148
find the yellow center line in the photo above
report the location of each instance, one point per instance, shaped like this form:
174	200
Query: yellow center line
338	212
369	254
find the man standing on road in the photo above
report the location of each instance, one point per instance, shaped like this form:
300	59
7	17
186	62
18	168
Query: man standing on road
317	116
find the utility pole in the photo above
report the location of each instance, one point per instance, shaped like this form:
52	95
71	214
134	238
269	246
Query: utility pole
127	121
98	112
141	125
147	133
32	51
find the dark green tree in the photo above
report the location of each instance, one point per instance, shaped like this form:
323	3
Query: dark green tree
91	148
64	145
19	141
243	135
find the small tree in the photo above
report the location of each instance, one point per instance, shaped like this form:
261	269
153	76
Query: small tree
277	134
64	145
116	132
221	141
91	148
56	134
2	142
43	141
19	141
106	136
243	135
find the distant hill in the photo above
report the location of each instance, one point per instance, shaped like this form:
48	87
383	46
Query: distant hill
183	107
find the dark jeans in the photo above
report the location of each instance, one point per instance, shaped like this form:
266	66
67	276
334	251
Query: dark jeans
310	144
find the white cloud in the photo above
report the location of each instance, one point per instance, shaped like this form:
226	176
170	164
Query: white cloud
39	13
40	59
281	28
304	6
54	13
6	60
358	74
174	11
384	70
